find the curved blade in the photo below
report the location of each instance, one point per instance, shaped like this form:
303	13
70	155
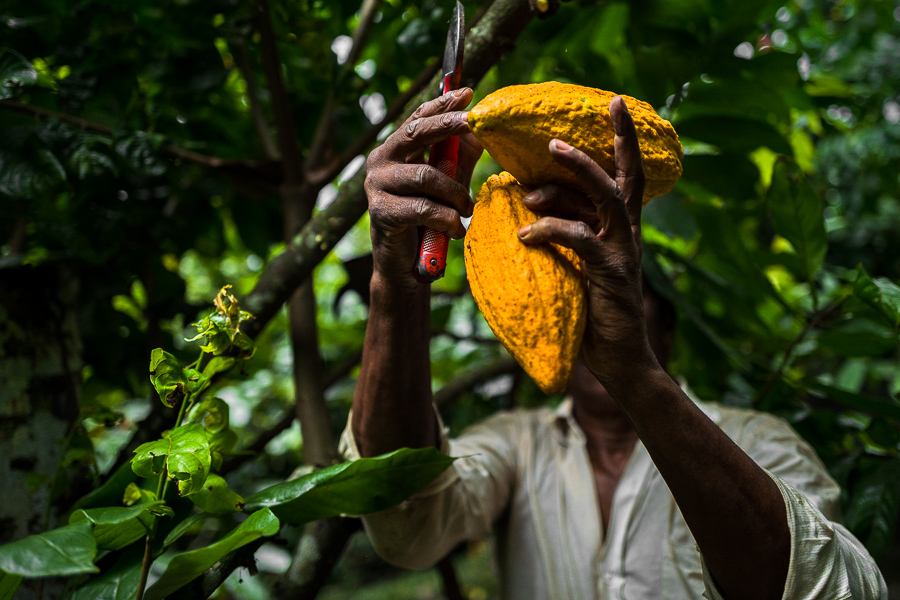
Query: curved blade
453	51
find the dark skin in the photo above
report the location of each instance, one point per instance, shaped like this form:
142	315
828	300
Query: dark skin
623	393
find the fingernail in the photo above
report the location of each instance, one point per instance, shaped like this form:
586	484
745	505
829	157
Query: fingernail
561	145
533	197
463	117
524	231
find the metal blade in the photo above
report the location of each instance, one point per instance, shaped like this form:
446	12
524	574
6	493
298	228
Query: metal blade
453	51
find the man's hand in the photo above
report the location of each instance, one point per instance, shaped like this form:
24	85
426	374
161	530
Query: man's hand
601	222
405	192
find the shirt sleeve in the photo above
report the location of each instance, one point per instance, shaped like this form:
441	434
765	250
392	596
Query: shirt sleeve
827	561
461	504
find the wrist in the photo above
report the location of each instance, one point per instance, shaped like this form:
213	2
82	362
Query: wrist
641	376
396	292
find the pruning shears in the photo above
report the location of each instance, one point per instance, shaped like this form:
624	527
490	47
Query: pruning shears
444	156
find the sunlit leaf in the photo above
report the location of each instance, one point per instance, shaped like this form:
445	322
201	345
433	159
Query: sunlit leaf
363	486
212	413
216	498
167	377
186	567
797	213
183	452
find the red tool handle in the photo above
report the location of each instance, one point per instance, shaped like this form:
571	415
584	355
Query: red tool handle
433	244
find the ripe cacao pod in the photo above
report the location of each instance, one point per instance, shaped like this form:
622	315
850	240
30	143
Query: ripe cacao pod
533	297
515	125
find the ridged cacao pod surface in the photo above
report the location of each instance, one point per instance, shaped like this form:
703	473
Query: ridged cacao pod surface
533	297
515	125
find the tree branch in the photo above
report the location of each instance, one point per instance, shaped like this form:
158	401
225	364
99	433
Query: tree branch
485	44
85	125
468	380
424	80
319	549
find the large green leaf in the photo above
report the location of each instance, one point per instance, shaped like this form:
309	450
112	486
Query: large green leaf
862	402
214	497
797	214
167	377
68	550
879	293
111	491
9	583
363	486
873	508
118	526
859	337
119	583
183	452
187	566
734	134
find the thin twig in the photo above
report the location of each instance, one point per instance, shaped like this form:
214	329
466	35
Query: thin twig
788	354
269	148
470	379
85	125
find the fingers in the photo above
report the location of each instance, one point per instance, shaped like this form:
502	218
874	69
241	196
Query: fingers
470	151
558	201
629	166
426	181
395	214
432	122
576	235
598	186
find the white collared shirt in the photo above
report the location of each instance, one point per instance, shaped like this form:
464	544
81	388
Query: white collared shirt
525	477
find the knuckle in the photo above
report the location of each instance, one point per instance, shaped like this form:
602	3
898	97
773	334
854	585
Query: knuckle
422	175
412	127
581	231
446	120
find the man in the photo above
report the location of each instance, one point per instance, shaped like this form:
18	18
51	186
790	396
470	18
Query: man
631	489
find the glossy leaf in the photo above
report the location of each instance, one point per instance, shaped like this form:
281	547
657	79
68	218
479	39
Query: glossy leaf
186	567
111	491
9	583
218	364
859	337
363	486
183	452
167	377
212	413
216	498
117	527
874	506
797	214
67	550
879	293
119	583
183	527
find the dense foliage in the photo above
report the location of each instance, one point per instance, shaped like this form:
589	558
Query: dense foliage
143	149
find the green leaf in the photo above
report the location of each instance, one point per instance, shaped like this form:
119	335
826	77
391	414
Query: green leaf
67	550
734	134
183	452
197	382
218	364
363	486
119	583
186	567
167	377
8	585
117	527
212	413
215	497
183	527
15	73
873	508
862	402
859	337
797	215
111	491
881	294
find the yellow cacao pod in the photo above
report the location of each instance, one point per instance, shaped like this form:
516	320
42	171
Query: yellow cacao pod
533	297
515	125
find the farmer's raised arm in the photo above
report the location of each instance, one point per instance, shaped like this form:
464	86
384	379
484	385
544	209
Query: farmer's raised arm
392	404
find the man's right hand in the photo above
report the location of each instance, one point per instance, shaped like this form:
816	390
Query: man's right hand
404	192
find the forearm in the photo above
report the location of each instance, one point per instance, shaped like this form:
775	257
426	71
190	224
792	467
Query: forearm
733	508
392	403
